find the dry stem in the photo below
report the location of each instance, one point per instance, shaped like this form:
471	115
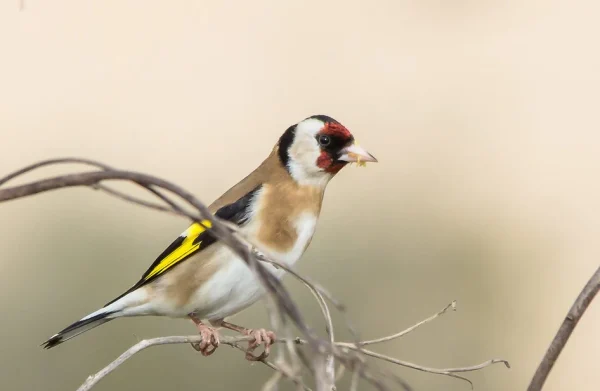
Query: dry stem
350	355
564	332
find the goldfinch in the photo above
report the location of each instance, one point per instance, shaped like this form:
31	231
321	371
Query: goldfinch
276	207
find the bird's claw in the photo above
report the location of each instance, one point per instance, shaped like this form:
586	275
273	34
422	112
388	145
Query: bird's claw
260	336
210	340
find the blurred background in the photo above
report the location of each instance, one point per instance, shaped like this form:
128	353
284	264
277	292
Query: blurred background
483	115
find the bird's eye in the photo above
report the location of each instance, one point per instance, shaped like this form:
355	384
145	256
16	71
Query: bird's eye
324	140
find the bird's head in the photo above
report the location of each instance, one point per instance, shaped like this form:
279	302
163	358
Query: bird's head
317	148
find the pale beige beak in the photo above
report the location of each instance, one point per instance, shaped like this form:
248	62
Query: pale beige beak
355	153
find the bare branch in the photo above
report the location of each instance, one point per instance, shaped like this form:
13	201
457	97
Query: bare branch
330	359
138	347
350	356
316	290
577	310
446	371
280	369
234	342
175	209
412	328
354	381
273	383
221	231
135	200
44	163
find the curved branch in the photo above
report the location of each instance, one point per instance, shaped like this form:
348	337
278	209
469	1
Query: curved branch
564	332
73	160
349	355
445	371
135	200
412	328
272	284
234	342
138	347
50	162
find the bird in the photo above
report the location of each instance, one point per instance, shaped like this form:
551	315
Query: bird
275	207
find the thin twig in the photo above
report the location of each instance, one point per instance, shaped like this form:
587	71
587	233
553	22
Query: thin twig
138	347
271	283
50	162
446	371
316	290
307	281
128	198
273	383
175	209
234	342
278	368
349	355
330	359
354	381
220	230
412	328
575	313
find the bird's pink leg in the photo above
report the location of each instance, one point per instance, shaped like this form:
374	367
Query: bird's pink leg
210	337
259	336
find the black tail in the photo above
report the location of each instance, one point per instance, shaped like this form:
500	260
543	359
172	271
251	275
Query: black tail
81	326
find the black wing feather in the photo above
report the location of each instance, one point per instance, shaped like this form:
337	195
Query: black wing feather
237	213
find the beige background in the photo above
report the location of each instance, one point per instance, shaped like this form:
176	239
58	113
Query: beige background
483	115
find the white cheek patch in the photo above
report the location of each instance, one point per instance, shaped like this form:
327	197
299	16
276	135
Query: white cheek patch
304	153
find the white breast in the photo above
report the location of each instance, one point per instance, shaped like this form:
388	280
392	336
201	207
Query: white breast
234	287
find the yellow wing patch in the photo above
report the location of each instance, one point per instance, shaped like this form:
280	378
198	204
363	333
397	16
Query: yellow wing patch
180	251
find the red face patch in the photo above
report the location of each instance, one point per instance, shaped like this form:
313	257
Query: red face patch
325	161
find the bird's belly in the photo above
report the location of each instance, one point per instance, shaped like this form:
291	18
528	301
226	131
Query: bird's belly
234	286
232	289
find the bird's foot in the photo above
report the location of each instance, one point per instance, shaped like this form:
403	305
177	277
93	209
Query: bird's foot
260	336
210	340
